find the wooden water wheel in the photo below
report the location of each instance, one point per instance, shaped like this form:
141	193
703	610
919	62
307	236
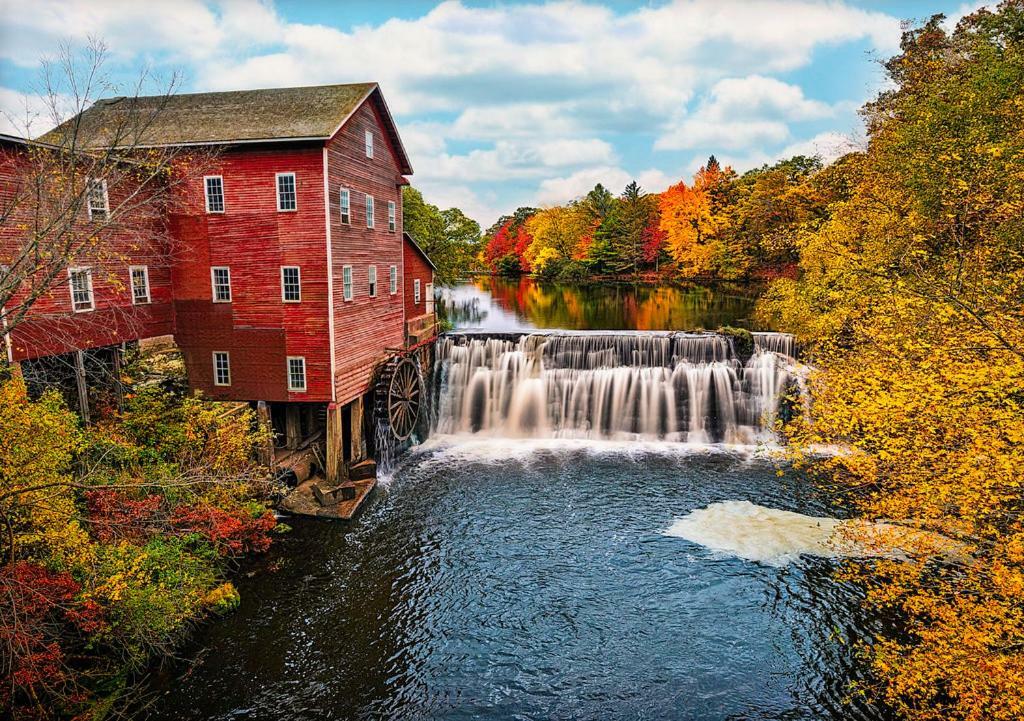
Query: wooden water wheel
404	398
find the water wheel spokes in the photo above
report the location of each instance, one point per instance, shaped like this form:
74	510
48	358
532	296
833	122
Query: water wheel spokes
404	398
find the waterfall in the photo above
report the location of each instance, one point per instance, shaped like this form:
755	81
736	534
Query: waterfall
684	387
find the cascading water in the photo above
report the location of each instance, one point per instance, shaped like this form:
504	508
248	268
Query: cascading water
688	387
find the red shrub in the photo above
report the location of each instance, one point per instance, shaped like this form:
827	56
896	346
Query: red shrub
115	516
231	533
34	604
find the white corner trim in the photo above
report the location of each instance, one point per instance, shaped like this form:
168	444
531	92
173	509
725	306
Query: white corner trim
330	273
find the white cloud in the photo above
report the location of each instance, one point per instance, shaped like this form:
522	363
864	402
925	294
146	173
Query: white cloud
30	114
744	112
555	191
828	146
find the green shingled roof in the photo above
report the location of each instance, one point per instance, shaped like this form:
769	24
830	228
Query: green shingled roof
273	114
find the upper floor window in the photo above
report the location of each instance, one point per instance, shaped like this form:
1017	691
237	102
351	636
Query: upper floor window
369	211
291	284
220	277
140	284
296	374
393	279
97	200
369	143
346	206
81	289
372	277
286	197
416	291
214	194
346	282
391	216
221	368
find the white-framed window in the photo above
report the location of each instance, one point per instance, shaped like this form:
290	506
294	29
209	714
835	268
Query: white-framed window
97	200
291	284
296	374
345	200
416	291
369	143
369	211
393	279
220	280
80	282
286	195
430	297
140	284
214	187
346	282
392	216
371	276
221	368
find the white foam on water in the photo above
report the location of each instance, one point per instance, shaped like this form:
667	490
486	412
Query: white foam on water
478	447
776	538
757	533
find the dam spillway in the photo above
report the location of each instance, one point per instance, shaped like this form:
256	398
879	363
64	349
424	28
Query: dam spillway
693	388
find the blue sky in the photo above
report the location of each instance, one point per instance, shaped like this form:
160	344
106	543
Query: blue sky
508	104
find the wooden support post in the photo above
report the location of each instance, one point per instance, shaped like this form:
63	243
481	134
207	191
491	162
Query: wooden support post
266	451
118	386
83	390
335	453
358	437
292	427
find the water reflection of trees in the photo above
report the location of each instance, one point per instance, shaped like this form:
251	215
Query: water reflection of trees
460	312
612	307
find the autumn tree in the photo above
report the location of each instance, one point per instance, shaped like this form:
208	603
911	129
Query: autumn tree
555	237
693	219
910	302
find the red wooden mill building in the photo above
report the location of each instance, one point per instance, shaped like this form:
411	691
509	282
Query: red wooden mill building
286	283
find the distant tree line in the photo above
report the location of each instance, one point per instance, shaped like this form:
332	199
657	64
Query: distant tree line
721	225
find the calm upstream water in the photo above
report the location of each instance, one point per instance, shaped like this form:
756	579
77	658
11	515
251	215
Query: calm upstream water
624	550
501	304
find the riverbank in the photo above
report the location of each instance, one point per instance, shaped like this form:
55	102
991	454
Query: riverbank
122	536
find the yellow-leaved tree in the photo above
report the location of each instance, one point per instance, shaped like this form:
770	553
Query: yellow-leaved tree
911	299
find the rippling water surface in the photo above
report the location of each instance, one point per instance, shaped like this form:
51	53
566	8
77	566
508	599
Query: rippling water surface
534	580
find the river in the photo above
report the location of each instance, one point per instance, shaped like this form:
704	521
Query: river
562	568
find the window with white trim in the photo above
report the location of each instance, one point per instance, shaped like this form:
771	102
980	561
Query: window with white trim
346	206
430	297
416	291
140	284
392	216
286	195
369	211
221	368
97	200
214	185
296	374
371	275
291	284
369	143
393	279
220	279
80	281
346	282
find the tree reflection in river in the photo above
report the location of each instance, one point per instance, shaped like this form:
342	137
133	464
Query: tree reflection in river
501	304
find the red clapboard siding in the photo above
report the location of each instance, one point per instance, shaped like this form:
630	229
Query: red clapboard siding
254	240
364	326
416	267
136	238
